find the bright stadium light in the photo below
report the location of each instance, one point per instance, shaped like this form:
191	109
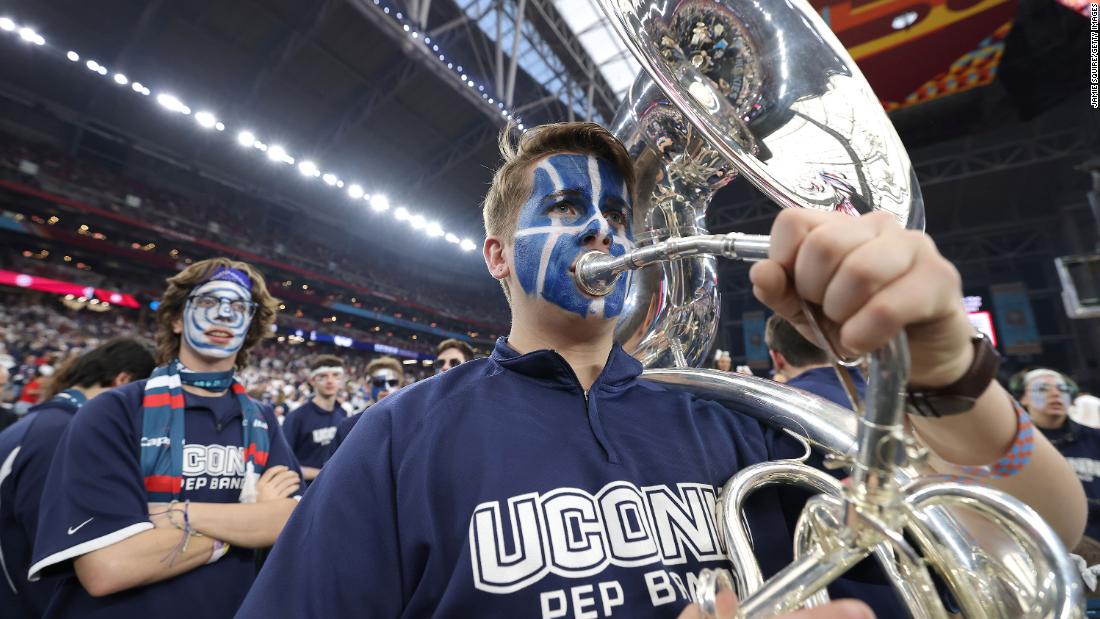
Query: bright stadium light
30	36
308	168
276	153
170	102
205	119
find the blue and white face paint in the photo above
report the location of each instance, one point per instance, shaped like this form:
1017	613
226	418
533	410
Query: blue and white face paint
216	318
1046	390
383	382
574	198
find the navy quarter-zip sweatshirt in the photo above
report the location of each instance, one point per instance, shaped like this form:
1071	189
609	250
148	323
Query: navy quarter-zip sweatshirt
501	489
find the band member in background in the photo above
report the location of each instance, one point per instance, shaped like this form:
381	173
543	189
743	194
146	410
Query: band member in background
723	361
803	364
7	415
385	377
310	428
549	480
451	354
161	489
799	363
27	448
1047	395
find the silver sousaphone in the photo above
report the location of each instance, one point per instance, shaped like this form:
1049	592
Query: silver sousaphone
763	88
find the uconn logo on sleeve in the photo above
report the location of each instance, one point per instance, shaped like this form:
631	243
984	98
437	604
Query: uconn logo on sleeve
571	533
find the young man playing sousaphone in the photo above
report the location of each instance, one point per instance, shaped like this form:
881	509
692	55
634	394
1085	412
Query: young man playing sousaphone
548	480
161	490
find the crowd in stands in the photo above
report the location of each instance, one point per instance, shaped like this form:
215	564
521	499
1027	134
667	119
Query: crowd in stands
38	333
97	185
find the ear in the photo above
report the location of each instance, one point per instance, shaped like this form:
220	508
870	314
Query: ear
778	362
177	325
122	379
496	259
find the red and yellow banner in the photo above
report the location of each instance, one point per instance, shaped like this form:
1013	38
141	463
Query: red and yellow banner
916	50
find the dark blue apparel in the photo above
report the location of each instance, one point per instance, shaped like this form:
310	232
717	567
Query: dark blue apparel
95	497
824	382
342	432
880	597
26	450
310	429
501	489
1080	445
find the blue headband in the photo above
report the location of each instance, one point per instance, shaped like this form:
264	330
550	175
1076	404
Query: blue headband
236	276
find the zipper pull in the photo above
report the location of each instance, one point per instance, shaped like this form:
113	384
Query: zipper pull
586	396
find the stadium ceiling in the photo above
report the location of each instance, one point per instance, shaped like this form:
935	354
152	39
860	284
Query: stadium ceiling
404	97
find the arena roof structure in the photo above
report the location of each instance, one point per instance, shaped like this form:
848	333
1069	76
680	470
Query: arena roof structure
404	99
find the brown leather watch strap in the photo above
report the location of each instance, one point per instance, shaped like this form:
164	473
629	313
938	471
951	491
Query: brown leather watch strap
959	396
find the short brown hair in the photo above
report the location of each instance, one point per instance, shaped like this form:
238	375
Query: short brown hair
458	345
783	338
323	361
386	362
179	288
512	182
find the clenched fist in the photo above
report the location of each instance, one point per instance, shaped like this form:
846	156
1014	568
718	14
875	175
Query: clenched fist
872	279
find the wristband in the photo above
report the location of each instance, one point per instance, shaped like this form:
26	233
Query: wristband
1013	461
220	550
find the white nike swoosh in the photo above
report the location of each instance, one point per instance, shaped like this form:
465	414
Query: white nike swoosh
77	527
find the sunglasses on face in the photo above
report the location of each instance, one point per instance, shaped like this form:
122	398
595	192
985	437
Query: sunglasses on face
447	363
209	302
381	381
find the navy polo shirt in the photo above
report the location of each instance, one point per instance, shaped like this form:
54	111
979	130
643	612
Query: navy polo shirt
1080	445
310	430
502	489
95	496
26	450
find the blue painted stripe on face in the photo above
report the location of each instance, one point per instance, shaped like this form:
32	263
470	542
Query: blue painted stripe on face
574	199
